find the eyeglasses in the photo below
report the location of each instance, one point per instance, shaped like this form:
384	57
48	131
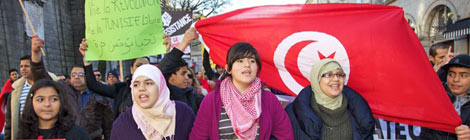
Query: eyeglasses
331	75
97	74
80	74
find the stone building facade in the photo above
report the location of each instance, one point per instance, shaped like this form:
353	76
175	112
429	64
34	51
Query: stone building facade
64	27
430	19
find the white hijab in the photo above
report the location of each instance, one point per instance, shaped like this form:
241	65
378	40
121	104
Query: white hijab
159	121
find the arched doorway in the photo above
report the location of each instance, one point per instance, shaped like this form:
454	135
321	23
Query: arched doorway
438	15
439	19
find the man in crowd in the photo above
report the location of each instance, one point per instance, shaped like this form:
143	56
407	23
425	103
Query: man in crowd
98	76
175	70
7	85
95	113
17	99
458	90
7	88
437	55
113	77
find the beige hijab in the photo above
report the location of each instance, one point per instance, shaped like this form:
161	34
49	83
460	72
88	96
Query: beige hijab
319	68
159	121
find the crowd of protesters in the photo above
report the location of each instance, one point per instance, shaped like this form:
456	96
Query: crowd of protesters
172	102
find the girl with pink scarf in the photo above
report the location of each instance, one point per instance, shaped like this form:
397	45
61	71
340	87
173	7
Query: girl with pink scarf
238	108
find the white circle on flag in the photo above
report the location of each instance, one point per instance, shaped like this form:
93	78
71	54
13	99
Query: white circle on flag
324	45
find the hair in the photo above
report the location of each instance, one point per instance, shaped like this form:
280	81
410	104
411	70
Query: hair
195	80
78	66
239	51
133	60
434	47
96	71
29	124
26	57
12	70
178	64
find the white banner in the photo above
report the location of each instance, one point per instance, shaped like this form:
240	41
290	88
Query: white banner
175	40
35	15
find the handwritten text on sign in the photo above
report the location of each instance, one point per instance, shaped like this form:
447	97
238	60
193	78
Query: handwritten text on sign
123	29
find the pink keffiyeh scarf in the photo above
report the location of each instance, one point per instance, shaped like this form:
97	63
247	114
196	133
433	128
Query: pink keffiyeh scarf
243	109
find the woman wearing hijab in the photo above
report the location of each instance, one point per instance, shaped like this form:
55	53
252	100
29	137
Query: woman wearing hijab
153	115
329	110
238	108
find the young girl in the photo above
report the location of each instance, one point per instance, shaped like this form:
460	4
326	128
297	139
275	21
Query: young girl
48	114
153	115
238	108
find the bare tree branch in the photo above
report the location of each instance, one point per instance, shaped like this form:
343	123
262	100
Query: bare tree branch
203	7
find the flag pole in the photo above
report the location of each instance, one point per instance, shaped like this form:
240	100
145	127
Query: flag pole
29	22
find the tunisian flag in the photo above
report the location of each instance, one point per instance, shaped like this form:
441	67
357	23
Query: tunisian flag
378	50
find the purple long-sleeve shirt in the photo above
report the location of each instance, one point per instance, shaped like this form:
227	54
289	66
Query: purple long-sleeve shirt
125	128
273	120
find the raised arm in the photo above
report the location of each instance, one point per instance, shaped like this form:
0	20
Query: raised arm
37	65
177	53
92	84
207	66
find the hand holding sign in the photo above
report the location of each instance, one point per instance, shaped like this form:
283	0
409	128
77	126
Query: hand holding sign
166	42
36	48
82	49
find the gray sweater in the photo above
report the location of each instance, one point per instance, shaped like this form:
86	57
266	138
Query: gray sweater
337	124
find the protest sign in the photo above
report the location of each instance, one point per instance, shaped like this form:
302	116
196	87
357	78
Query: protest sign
123	29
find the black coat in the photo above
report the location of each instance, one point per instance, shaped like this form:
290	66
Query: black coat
308	126
75	133
96	116
120	92
187	96
430	134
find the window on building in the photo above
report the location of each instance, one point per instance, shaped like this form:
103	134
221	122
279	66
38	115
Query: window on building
440	19
412	25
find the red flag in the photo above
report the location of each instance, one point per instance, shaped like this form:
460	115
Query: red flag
380	53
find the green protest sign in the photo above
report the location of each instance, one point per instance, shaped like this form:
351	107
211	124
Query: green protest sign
123	29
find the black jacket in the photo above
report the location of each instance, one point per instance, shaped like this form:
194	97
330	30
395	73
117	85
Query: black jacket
187	95
430	134
211	75
308	126
96	116
75	133
120	92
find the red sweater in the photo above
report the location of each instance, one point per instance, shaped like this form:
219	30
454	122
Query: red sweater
6	89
